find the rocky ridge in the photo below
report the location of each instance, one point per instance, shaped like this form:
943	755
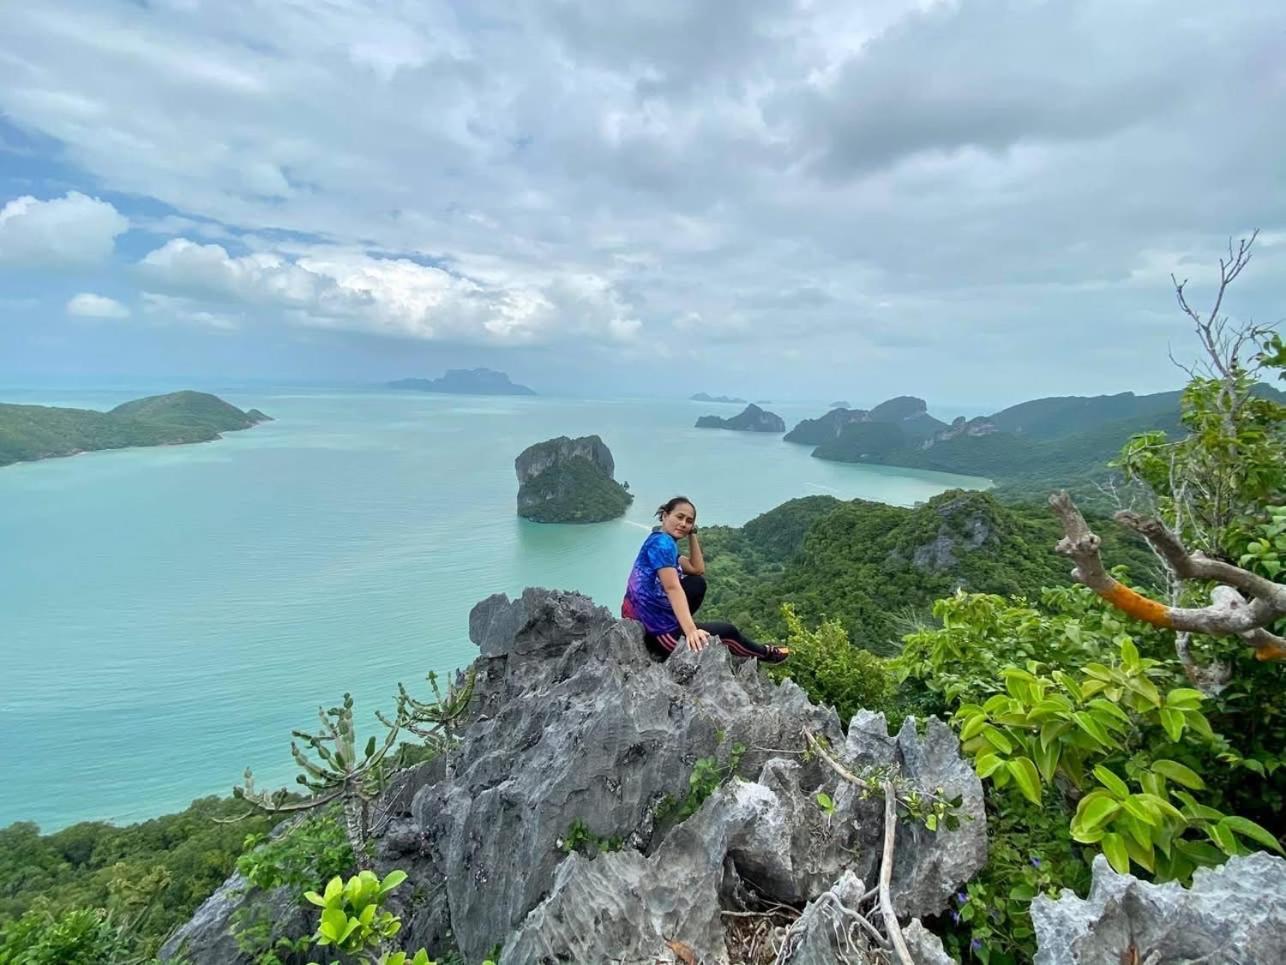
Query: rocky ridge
573	721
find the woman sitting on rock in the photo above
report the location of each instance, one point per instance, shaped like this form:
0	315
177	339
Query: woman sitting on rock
666	589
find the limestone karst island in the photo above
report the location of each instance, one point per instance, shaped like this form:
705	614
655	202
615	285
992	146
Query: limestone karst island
569	481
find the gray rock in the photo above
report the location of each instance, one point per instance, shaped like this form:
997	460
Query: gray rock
1232	915
573	721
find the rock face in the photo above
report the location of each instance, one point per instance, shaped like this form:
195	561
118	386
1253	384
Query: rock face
574	722
569	481
577	722
751	419
1232	915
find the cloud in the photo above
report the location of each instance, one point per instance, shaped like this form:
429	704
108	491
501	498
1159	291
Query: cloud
89	305
898	186
71	231
329	287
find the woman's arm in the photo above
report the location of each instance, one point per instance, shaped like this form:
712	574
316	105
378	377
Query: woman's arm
669	577
694	562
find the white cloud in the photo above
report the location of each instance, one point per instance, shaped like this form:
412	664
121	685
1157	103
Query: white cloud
339	288
74	230
89	305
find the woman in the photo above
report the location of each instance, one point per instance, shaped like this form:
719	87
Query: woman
666	589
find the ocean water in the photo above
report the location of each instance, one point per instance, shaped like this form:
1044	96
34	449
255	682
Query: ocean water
169	615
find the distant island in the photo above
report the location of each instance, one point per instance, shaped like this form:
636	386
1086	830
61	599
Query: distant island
569	481
1027	449
465	382
31	432
750	419
703	397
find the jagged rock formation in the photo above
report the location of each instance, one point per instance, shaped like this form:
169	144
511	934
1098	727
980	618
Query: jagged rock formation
569	481
1232	915
750	419
574	721
962	427
465	382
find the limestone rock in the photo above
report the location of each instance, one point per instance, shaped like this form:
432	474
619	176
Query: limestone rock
1232	915
569	481
573	721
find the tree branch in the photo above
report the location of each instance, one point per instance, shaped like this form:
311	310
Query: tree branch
886	877
1229	613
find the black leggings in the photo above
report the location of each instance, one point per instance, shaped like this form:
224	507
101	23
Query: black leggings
694	588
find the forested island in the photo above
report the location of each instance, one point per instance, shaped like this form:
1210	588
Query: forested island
750	419
465	382
30	432
569	481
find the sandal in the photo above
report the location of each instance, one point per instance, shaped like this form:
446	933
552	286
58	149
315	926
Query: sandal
775	654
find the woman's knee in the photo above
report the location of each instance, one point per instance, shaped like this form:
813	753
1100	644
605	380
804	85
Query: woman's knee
694	588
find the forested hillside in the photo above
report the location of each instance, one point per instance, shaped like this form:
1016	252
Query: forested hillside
29	432
872	566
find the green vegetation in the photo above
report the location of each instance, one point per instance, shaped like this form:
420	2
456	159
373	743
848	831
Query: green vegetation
29	432
875	568
574	490
150	875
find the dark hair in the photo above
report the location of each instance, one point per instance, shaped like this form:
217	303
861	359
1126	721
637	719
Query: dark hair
668	507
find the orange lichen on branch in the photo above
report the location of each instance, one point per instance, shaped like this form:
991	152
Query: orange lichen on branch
1136	605
1271	652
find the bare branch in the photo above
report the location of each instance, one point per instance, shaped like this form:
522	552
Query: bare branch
886	877
1197	566
1210	680
1229	613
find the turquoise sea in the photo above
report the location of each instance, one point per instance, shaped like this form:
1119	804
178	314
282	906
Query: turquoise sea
168	616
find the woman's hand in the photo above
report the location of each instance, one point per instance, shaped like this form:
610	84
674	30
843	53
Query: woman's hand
697	639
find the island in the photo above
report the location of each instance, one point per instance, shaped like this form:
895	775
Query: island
465	382
31	432
703	397
750	419
567	480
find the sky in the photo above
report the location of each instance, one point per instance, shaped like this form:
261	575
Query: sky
979	201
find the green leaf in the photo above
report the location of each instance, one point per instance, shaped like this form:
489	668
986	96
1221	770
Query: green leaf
1118	855
1184	698
333	924
987	764
1026	777
334	889
1249	829
392	880
997	740
1141	854
825	802
315	898
1052	730
1129	653
1110	709
1179	774
1221	834
1109	780
1094	809
1173	721
1092	727
1137	809
973	726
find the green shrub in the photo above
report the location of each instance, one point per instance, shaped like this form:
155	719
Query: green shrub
831	670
